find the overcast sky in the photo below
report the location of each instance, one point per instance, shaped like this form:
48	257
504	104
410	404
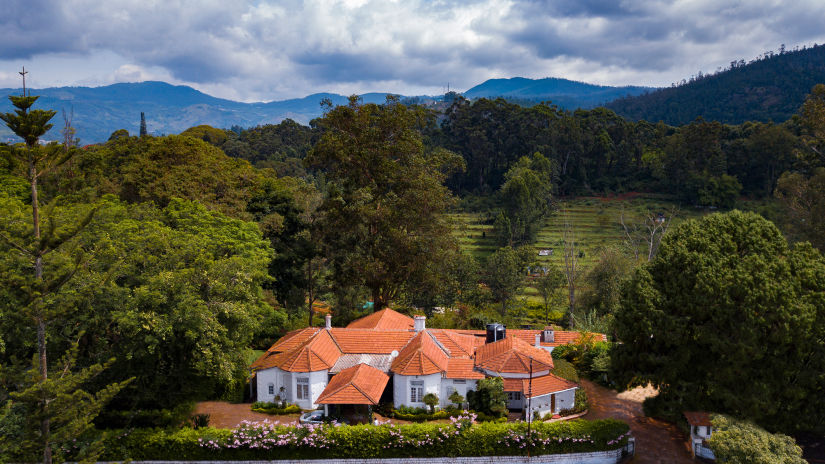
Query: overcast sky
271	50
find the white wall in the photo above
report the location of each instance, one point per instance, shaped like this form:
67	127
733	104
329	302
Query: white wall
447	386
401	388
288	380
564	400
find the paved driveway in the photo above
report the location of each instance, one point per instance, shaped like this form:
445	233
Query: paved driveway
657	442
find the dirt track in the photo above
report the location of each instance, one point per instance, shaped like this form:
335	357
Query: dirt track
657	442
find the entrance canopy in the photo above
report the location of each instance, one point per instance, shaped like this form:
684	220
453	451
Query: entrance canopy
361	384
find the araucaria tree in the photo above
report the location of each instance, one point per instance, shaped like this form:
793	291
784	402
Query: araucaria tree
58	406
728	318
383	217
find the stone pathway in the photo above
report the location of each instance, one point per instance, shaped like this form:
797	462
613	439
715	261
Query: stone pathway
657	442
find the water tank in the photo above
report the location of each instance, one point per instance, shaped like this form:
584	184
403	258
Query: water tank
495	332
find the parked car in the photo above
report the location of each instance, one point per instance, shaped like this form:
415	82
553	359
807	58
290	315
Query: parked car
312	417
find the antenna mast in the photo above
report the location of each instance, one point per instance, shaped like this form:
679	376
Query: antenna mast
23	73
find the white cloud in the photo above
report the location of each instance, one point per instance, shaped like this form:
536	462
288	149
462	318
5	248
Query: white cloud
265	50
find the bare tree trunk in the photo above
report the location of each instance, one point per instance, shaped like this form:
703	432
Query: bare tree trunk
45	429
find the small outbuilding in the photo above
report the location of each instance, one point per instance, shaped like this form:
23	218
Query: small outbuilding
700	431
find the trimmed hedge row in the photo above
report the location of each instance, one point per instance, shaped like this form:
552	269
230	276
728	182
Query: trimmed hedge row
262	441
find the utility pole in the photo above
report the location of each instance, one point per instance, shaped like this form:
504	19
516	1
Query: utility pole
23	73
529	409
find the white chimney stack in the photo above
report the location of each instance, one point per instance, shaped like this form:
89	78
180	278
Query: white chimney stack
538	340
328	321
420	323
549	335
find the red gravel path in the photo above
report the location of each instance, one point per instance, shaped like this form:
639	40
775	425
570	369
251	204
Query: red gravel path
228	415
657	442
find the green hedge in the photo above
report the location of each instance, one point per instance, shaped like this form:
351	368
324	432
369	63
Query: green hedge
275	408
271	441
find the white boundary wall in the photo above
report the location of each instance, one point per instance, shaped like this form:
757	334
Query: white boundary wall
597	457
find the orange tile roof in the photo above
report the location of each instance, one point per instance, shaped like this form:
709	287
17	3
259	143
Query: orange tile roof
422	356
461	368
458	345
361	384
699	418
370	341
286	343
386	319
512	355
560	337
542	385
316	354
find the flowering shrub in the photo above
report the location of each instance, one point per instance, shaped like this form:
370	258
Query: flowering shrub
461	437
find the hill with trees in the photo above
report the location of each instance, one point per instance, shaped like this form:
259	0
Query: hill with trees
769	88
562	92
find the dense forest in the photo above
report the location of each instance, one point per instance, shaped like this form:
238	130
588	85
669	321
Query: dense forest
769	88
146	269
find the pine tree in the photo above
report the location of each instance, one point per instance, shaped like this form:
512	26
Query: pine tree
58	399
142	124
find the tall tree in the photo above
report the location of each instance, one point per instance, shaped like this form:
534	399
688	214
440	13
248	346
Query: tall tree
506	273
526	199
726	299
548	284
29	124
383	216
142	125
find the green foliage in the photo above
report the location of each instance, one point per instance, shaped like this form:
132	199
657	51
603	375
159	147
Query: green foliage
506	273
488	397
383	220
605	280
431	400
741	442
275	408
207	133
564	369
145	418
456	398
726	299
366	441
525	199
581	403
804	200
200	421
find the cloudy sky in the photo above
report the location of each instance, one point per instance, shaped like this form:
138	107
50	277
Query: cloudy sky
270	50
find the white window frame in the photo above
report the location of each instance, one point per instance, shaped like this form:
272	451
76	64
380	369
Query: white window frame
416	391
271	388
302	388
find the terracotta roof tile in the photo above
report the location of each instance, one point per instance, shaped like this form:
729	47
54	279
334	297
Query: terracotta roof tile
386	319
316	354
361	384
422	356
370	341
512	355
460	368
542	385
698	418
560	337
458	345
288	342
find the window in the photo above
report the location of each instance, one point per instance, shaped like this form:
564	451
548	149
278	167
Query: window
459	382
271	389
302	384
416	391
514	396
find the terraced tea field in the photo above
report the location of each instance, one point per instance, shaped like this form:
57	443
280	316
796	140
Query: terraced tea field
594	221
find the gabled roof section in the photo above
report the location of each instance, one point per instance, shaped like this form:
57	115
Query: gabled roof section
543	385
361	384
698	418
458	345
370	341
422	356
461	368
386	319
316	354
286	343
512	355
560	337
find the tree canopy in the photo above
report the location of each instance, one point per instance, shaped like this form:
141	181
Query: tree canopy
727	299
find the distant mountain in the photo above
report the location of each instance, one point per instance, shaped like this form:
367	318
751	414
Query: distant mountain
169	109
771	88
562	92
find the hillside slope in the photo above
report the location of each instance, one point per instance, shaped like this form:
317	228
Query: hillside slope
562	92
768	89
169	109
